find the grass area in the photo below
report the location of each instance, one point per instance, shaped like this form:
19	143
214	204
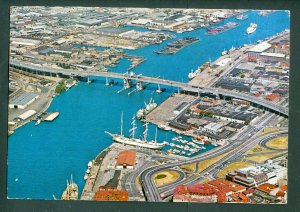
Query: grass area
232	167
278	143
165	177
189	167
206	163
263	158
268	130
160	176
257	149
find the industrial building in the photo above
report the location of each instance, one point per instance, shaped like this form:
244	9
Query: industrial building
23	100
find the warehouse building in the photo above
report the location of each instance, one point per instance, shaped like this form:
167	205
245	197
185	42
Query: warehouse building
22	101
26	115
126	159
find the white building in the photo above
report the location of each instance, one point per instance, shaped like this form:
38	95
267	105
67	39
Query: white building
22	101
26	115
214	128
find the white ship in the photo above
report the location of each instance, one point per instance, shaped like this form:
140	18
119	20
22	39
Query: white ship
141	114
136	141
193	74
251	28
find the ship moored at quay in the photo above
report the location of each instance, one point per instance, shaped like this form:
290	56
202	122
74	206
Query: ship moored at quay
136	141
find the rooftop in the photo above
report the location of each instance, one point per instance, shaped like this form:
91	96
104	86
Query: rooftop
126	157
24	99
263	46
112	30
107	193
270	54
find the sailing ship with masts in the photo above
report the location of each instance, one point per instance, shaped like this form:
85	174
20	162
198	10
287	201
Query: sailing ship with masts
136	141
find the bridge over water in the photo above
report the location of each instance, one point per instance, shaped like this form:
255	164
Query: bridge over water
54	72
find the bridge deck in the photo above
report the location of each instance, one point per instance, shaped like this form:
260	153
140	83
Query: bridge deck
185	86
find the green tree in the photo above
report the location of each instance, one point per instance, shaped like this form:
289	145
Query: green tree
61	87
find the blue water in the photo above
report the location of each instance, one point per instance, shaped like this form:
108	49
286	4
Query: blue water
41	158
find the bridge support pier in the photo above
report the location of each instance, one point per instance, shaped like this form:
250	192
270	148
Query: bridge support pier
127	83
140	85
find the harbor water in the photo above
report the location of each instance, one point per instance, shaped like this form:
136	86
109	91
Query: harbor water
41	158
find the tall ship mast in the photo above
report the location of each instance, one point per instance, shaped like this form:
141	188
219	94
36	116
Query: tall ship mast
71	192
136	141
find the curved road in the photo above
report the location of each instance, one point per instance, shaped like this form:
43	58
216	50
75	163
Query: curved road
151	192
264	144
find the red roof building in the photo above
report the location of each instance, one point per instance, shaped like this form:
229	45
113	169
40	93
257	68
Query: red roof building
107	193
266	187
126	159
213	191
273	97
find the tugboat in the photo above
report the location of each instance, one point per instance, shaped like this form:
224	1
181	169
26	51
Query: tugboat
160	90
71	192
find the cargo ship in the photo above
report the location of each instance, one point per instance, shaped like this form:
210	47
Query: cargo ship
193	74
136	141
220	29
251	28
143	112
71	192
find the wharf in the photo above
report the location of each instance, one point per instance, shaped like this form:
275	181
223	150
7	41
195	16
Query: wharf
104	170
220	67
164	113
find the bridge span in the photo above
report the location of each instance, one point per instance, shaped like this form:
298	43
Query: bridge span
35	69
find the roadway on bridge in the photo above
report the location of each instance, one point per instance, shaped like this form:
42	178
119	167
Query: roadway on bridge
185	86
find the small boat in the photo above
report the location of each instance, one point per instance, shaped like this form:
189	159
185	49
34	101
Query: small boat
160	90
90	164
38	122
86	176
88	171
225	52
